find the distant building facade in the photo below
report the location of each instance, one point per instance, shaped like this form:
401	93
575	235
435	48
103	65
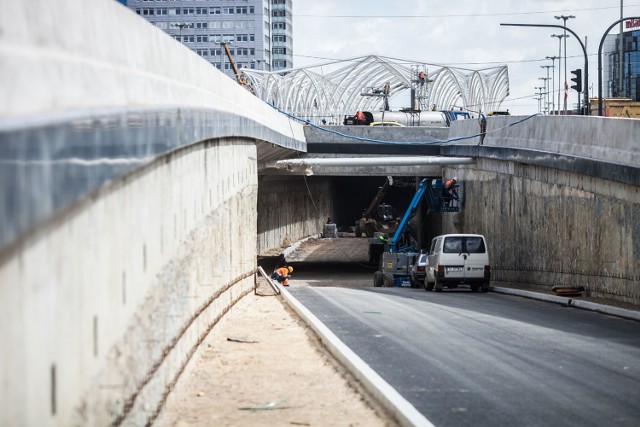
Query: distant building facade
629	87
257	32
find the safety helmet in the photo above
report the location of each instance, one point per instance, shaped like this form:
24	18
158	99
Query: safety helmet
290	269
455	178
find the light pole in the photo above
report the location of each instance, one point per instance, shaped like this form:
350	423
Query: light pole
566	87
181	25
553	83
546	93
582	46
560	37
546	84
540	97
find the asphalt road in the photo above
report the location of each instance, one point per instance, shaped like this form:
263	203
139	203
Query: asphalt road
474	359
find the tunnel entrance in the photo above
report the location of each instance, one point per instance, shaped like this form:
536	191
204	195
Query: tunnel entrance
346	261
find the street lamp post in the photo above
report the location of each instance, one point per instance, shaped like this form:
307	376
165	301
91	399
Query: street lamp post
553	83
181	26
539	97
560	37
566	87
547	85
584	52
546	94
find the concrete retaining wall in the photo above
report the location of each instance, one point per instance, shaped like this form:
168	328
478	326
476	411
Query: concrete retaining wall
104	297
547	226
101	313
290	208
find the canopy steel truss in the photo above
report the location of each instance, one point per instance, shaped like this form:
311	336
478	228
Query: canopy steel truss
338	88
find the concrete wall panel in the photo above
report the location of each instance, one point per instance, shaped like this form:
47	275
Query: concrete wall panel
290	209
101	310
548	227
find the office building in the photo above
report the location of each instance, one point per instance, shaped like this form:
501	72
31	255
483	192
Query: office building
258	33
629	85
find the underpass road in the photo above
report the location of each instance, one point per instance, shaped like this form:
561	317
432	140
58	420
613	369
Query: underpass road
473	359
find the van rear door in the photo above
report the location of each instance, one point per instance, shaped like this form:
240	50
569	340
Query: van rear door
476	257
452	257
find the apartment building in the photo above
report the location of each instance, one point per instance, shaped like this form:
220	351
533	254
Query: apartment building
257	32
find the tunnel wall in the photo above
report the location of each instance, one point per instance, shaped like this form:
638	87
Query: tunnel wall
291	208
559	225
107	304
107	285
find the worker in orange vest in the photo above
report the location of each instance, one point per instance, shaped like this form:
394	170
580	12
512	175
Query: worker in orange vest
449	190
282	275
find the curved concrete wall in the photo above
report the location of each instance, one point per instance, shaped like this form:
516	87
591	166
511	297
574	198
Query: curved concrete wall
101	313
550	222
91	90
104	297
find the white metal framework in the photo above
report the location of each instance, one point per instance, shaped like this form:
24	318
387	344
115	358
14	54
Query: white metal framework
339	88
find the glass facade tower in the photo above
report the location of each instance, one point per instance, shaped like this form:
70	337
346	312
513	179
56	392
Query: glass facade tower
629	87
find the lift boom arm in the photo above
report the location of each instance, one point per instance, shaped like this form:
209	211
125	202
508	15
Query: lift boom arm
434	202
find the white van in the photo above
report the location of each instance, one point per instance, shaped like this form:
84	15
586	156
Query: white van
456	259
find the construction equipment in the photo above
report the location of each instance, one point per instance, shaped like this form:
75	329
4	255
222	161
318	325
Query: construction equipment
378	217
240	77
396	261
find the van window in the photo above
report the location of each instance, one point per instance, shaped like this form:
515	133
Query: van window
460	244
475	245
452	245
434	247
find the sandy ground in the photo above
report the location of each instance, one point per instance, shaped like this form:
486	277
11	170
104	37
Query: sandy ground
262	366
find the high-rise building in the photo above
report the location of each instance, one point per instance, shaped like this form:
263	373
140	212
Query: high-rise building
629	85
281	34
257	32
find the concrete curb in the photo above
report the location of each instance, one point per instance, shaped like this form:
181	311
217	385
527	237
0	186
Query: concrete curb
294	246
571	302
387	396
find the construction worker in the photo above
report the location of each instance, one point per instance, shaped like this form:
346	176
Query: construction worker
421	77
449	191
360	118
282	275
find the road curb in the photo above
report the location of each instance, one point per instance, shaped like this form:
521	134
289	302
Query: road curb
405	413
571	302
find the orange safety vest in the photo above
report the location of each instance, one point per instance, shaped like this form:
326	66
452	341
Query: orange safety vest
449	184
283	271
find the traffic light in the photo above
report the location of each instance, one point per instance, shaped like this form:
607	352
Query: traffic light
577	79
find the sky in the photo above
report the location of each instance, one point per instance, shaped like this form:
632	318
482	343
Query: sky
462	33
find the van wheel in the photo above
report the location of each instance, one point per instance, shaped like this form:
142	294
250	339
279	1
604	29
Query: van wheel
485	287
427	286
474	288
437	285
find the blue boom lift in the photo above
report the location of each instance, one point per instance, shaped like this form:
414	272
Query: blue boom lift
396	261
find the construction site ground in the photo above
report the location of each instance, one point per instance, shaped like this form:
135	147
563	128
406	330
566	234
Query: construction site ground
262	366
